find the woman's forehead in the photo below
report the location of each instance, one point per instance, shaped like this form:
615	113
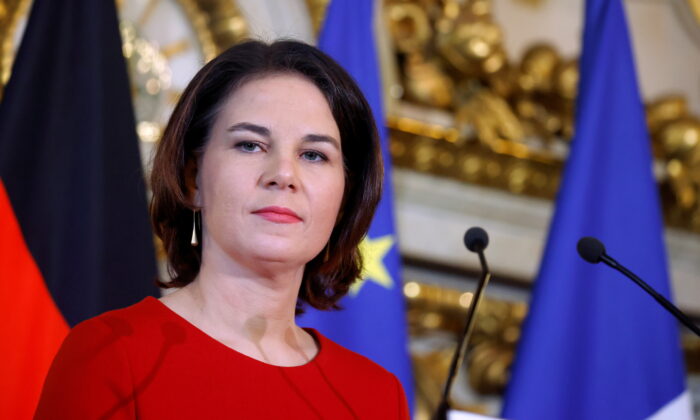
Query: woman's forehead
280	99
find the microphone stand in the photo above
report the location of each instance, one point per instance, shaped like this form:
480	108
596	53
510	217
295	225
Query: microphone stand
656	295
458	357
593	251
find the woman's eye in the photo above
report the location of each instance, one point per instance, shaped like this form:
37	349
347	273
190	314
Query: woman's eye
248	146
313	156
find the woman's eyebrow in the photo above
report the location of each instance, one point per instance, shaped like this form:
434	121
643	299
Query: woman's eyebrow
322	138
246	126
265	132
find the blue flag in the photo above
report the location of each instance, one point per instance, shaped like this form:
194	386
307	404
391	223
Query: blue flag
373	319
594	345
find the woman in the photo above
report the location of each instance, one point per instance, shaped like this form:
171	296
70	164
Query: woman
264	184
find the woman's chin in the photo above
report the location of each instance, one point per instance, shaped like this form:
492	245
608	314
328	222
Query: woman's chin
281	256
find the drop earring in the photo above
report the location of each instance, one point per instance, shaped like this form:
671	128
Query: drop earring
194	241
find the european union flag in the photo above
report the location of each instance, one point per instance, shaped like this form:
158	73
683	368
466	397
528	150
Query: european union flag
373	321
594	345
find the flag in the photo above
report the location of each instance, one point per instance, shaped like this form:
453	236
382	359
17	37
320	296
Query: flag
74	234
594	345
373	319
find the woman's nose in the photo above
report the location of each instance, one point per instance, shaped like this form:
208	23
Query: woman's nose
281	173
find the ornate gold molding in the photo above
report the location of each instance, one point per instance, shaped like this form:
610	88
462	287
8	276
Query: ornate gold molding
490	353
11	12
695	8
440	150
436	317
222	19
468	111
218	24
317	11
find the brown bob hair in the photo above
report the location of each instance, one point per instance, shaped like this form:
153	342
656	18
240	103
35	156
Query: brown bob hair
328	276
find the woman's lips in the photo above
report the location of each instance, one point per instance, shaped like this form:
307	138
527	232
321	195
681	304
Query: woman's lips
278	214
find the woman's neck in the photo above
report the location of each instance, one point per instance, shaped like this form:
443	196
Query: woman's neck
247	311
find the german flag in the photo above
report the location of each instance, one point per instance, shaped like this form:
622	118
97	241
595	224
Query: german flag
74	234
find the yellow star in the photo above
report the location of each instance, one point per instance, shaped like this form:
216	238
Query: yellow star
373	252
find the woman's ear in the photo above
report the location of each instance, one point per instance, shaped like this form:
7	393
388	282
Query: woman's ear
192	184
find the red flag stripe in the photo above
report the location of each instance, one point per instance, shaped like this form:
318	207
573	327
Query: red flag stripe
32	327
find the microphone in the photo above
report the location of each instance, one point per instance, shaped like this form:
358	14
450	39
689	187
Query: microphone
476	240
593	251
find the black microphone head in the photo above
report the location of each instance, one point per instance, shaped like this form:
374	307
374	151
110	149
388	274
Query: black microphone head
476	239
590	249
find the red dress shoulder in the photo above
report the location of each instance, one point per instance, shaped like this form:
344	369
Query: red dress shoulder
147	362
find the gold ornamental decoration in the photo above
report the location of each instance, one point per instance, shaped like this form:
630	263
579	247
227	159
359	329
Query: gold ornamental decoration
11	12
436	316
214	24
467	110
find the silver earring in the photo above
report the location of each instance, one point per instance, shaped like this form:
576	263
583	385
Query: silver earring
194	241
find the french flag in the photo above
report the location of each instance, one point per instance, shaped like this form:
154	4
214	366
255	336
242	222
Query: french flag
594	345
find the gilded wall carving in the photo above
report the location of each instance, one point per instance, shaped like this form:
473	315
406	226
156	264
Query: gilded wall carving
436	317
506	122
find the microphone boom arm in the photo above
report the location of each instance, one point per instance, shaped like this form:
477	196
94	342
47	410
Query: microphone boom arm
593	251
656	295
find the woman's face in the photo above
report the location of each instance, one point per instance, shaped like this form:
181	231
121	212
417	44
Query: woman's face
271	179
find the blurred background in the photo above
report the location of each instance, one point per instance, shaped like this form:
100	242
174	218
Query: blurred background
479	101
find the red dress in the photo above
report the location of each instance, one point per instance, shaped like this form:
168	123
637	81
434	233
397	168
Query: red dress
147	362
